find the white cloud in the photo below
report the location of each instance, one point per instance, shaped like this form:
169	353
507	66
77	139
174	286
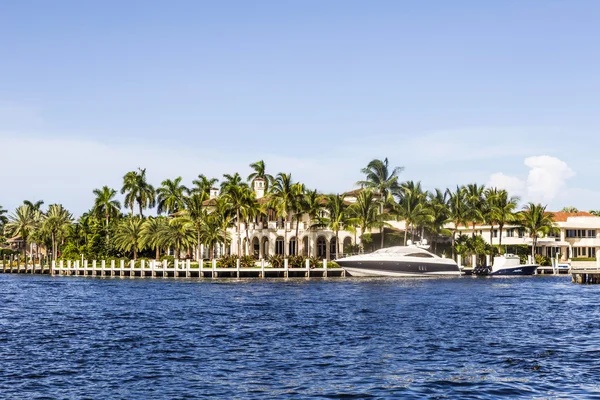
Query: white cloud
546	179
511	184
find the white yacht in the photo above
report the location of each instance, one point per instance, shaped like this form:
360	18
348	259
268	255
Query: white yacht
400	261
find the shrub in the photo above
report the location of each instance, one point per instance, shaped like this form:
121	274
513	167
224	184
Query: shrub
170	261
247	262
296	261
315	262
276	261
227	262
543	261
583	259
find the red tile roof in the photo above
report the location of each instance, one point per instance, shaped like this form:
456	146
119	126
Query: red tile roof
560	216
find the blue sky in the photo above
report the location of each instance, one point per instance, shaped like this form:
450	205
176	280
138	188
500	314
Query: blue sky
504	93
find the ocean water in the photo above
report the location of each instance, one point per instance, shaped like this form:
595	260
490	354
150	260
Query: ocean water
76	337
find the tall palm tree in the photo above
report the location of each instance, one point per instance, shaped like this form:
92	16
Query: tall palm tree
171	196
251	210
490	198
197	214
36	206
56	222
337	218
3	218
203	184
365	212
412	206
474	198
458	214
503	211
283	201
231	180
237	197
297	209
384	181
225	217
106	205
260	173
137	190
23	222
152	233
210	232
437	204
179	233
128	236
536	221
312	205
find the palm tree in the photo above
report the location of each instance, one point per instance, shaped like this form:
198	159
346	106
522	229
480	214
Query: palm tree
474	198
56	222
210	233
23	222
365	212
283	201
3	218
138	191
203	184
171	196
260	173
490	198
250	211
106	205
503	211
537	221
595	212
382	180
312	204
36	206
225	217
569	209
457	208
437	205
152	233
129	236
297	209
197	214
337	219
231	180
412	206
179	233
237	197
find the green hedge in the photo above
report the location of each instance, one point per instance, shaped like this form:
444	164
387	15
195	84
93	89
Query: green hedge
583	259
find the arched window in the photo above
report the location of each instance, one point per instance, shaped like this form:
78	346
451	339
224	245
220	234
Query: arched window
292	247
332	248
279	246
321	247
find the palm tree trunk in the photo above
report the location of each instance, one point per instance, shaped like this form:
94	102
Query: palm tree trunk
382	228
337	245
53	246
198	247
157	253
285	241
141	213
239	234
297	242
533	244
453	244
134	253
500	238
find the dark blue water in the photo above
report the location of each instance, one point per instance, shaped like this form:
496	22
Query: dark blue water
68	337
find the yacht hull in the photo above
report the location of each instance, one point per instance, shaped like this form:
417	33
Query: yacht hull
519	270
398	269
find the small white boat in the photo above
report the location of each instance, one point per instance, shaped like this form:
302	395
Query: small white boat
507	264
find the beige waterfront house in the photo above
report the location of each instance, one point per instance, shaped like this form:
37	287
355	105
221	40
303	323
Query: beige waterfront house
577	236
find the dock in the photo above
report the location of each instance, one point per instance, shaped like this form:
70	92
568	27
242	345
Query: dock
586	275
178	269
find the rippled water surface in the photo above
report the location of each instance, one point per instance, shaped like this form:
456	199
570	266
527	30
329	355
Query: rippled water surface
75	337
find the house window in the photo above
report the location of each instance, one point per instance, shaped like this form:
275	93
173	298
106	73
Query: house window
510	233
592	252
591	233
495	233
279	245
521	232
